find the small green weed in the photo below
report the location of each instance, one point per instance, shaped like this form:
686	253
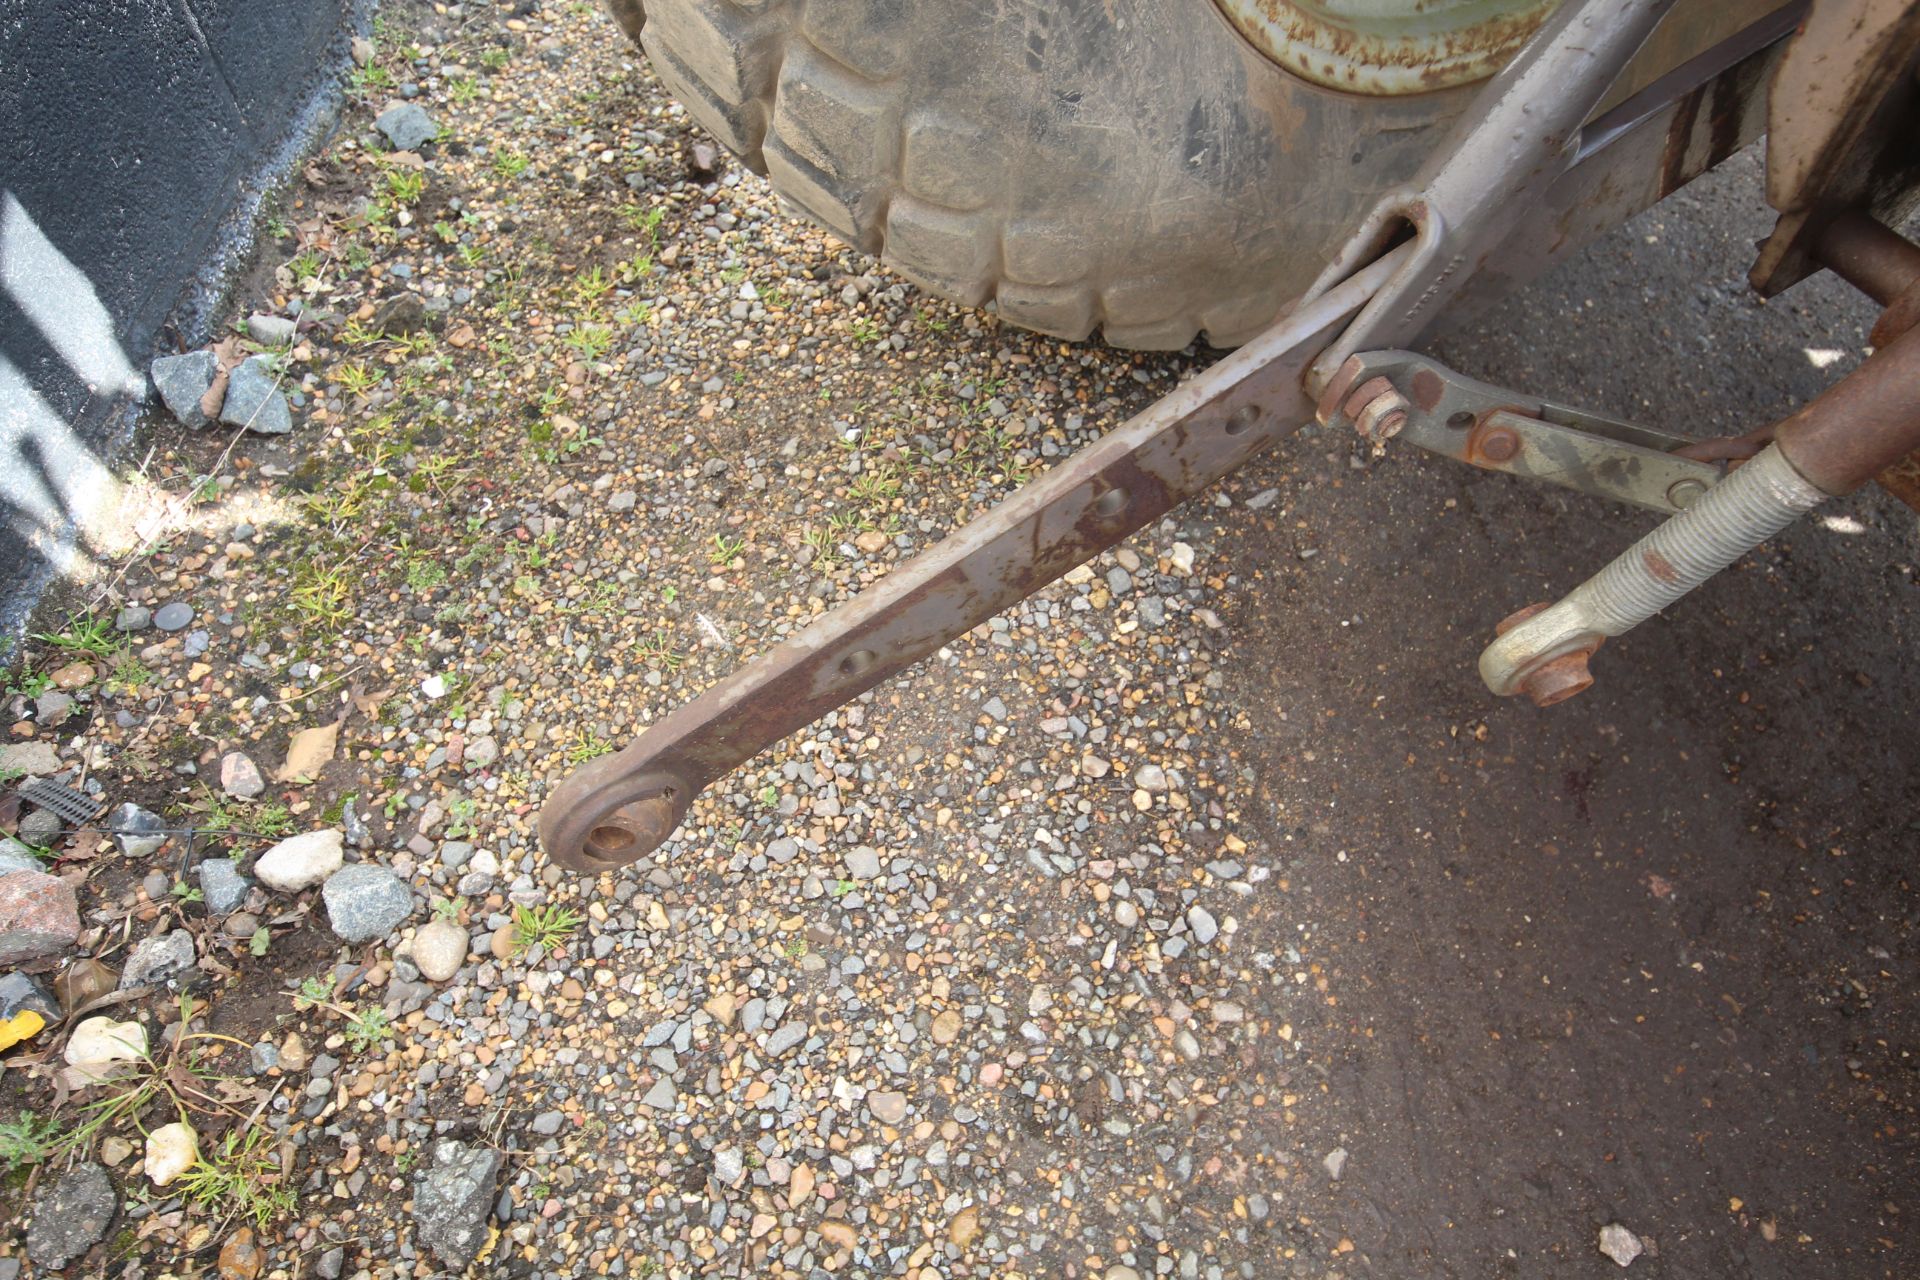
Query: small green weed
544	927
27	1141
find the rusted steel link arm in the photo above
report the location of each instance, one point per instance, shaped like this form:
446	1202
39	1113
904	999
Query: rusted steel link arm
620	807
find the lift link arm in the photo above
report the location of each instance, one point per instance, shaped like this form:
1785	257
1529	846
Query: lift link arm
618	808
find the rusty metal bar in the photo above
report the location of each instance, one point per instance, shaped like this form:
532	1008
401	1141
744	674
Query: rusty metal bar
1873	258
620	807
1862	424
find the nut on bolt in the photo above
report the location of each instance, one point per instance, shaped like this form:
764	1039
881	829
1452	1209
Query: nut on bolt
1377	408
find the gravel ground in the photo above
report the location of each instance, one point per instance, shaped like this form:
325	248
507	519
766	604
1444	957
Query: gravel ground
1197	917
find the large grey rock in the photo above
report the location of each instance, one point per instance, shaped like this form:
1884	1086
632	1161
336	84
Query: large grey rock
407	126
222	887
137	831
254	400
182	382
365	902
156	962
300	862
451	1200
71	1215
38	916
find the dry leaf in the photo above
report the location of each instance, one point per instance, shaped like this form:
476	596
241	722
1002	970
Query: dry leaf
308	753
369	704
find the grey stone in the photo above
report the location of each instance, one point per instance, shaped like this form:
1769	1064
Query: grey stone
135	830
52	708
19	991
785	849
182	381
863	863
331	1263
365	902
71	1215
1150	777
548	1123
482	751
1620	1244
173	617
1335	1163
1201	921
222	887
785	1038
623	500
40	827
300	862
439	950
407	126
135	617
254	400
270	331
663	1096
39	916
400	314
451	1200
15	856
265	1057
240	776
155	962
729	1166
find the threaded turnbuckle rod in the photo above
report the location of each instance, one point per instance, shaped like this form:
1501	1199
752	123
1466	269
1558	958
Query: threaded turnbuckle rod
1543	652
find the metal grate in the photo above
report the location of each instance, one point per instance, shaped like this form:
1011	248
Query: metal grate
71	806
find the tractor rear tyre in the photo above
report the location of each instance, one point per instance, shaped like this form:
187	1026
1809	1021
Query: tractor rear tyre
1134	166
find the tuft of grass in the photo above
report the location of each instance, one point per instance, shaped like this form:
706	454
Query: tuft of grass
590	747
323	594
725	549
590	341
86	633
240	1179
406	186
510	164
544	927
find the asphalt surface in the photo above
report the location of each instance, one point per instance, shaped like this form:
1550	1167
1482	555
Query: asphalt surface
1646	957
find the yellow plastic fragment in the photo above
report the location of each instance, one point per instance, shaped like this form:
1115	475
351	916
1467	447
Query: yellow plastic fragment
21	1027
